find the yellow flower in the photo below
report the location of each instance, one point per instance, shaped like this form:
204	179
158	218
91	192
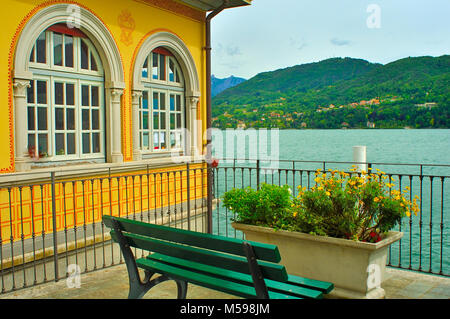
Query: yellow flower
376	199
328	193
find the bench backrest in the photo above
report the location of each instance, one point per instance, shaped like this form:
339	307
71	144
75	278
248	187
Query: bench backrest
200	247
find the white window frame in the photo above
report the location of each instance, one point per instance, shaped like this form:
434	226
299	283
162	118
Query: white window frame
79	77
167	87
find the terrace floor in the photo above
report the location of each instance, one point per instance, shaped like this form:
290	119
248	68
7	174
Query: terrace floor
112	283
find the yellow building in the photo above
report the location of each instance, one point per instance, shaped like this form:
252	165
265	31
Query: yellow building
105	109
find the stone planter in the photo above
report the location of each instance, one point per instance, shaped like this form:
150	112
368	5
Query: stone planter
356	269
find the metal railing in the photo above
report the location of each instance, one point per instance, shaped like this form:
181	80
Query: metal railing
425	246
51	227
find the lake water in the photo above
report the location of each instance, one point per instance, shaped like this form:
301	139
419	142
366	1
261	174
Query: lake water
426	242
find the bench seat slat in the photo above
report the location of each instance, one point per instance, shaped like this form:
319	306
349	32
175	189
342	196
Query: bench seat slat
213	258
245	279
228	245
325	287
204	280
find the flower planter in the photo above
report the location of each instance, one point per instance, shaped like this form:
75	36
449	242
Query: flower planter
356	269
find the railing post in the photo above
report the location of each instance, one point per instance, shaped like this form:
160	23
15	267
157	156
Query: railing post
188	186
258	168
55	240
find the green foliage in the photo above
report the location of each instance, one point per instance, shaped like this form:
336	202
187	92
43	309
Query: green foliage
267	206
360	207
300	91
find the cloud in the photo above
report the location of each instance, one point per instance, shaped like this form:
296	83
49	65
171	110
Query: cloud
340	42
233	50
298	44
229	50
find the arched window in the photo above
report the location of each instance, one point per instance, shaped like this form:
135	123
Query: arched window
162	110
65	98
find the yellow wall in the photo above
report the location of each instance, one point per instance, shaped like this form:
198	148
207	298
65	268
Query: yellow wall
181	20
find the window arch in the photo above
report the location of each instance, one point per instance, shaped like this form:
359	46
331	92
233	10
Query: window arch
65	98
101	63
165	97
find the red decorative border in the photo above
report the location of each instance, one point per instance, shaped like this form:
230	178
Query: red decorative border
12	48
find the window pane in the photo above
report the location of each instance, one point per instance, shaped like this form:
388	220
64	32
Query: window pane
59	93
42	118
162	120
85	119
145	140
145	69
96	143
93	63
32	54
172	121
145	100
57	48
155	66
84	55
30	93
162	101
155	120
41	92
59	144
86	143
145	120
41	50
179	103
156	140
171	70
59	118
172	139
172	102
178	120
177	76
85	95
94	96
42	144
162	67
68	41
162	138
70	94
32	144
70	119
155	101
70	143
31	126
95	120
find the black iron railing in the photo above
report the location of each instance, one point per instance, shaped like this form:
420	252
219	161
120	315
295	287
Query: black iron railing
51	228
51	223
425	246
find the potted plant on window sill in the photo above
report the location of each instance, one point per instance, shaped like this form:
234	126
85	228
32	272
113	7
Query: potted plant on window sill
338	231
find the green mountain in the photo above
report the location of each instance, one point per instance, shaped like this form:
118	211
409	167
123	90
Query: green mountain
339	92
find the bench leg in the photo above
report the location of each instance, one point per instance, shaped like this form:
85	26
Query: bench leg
182	289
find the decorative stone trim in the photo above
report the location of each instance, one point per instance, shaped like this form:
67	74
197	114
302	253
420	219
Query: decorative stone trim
109	53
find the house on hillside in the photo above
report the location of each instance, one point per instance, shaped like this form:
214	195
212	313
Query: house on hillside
105	108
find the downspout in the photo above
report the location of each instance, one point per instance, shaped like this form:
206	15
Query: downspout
209	179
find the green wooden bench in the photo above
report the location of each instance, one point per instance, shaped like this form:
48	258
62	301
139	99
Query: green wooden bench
237	267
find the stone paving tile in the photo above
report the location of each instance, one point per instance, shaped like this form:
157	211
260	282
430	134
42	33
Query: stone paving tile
415	290
112	283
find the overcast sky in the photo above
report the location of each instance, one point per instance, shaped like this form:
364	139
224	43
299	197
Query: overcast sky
274	34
